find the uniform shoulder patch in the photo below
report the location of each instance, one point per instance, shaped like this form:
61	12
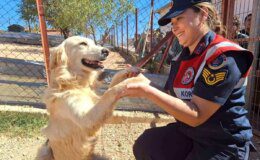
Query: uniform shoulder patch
213	78
218	63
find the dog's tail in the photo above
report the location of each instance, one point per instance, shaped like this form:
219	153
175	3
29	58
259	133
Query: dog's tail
45	152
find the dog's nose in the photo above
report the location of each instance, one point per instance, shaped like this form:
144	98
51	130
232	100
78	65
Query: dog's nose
104	52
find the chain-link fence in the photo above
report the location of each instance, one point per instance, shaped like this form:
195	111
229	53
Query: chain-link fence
23	75
134	31
21	59
242	21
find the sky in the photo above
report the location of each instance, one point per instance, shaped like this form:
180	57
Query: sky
9	14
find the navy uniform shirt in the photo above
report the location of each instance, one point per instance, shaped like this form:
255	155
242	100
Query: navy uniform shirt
228	125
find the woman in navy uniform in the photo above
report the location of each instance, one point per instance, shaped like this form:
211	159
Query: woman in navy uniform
206	92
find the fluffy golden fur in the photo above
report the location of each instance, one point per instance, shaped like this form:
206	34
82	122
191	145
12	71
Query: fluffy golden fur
76	112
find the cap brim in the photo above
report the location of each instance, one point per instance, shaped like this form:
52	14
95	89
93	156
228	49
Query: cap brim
164	20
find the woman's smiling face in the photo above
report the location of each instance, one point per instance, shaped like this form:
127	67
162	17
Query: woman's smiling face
187	27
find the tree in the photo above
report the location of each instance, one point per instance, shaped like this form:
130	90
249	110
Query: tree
86	16
108	13
28	11
78	16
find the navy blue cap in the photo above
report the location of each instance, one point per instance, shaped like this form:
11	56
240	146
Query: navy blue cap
178	7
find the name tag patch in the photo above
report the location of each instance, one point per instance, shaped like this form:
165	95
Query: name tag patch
183	93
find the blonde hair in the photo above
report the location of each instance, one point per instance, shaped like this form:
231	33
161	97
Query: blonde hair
213	21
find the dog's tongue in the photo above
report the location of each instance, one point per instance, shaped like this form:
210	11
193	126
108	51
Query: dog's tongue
90	62
93	63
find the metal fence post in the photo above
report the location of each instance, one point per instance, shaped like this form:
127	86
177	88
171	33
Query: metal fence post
228	7
127	34
44	38
122	35
224	9
117	36
136	26
114	39
151	38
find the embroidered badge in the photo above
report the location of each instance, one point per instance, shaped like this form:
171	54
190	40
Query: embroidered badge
213	78
218	63
188	76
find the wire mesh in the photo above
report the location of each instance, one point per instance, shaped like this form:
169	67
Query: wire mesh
23	77
22	71
246	33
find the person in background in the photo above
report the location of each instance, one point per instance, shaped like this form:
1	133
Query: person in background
205	92
236	34
247	23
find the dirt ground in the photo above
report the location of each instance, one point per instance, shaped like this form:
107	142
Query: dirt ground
115	141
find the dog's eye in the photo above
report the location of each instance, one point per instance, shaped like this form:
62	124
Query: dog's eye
83	44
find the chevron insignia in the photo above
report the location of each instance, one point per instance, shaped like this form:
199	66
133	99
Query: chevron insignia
213	78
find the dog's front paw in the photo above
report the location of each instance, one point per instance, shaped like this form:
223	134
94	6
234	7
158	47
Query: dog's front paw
118	88
124	74
118	77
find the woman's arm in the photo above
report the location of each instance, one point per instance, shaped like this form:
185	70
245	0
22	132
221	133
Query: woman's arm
193	113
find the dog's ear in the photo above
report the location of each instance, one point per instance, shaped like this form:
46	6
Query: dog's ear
59	69
58	56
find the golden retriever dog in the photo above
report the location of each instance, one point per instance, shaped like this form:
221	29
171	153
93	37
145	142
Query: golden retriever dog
76	112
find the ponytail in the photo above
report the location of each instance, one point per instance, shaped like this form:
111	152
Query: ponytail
213	21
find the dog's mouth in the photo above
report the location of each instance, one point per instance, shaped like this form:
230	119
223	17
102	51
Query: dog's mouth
92	64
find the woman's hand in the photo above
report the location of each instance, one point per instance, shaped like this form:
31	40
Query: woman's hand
129	72
137	89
